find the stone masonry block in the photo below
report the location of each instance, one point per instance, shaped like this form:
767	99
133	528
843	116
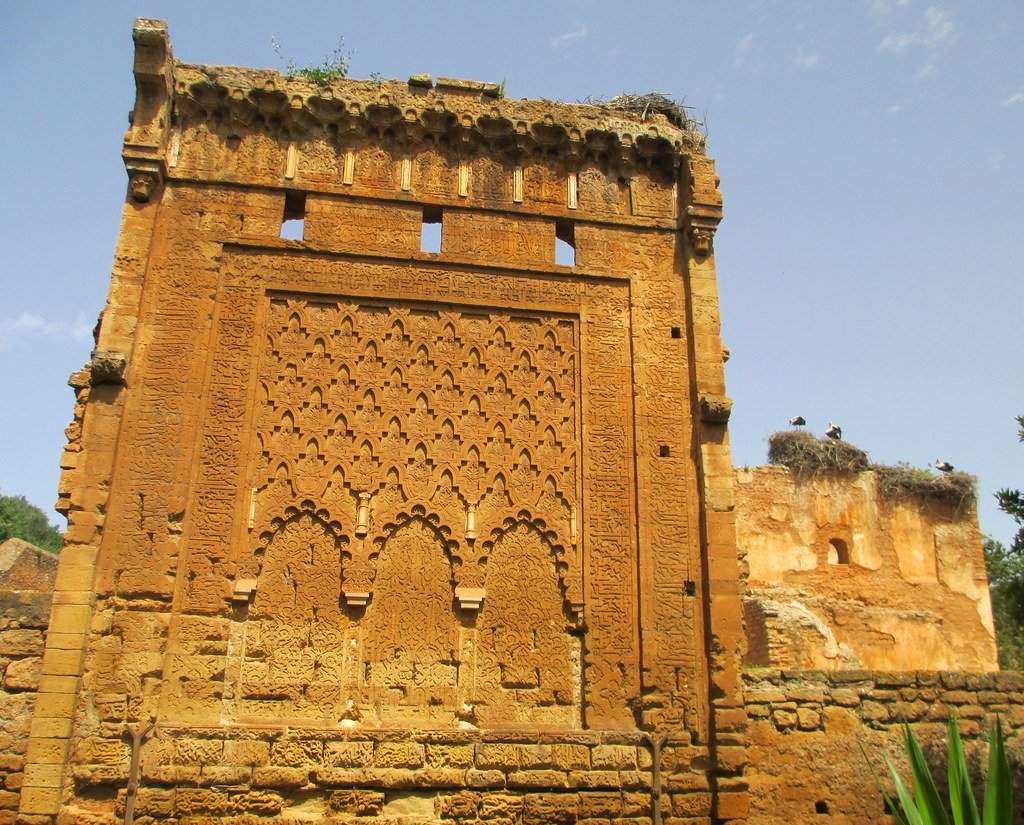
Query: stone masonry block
255	803
188	751
348	754
460	806
47	751
40	801
613	757
23	674
534	756
497	757
485	779
550	809
273	776
537	779
570	757
297	753
398	755
500	806
356	802
603	803
246	752
21	642
449	756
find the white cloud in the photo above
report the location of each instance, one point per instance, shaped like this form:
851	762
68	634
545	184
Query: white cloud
566	39
995	160
1016	99
744	51
933	37
807	61
884	7
938	32
894	109
28	326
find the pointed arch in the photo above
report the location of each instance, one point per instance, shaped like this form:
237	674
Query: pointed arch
528	658
413	589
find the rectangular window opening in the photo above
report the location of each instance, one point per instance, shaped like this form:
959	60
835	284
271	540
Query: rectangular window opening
677	332
430	229
565	243
293	222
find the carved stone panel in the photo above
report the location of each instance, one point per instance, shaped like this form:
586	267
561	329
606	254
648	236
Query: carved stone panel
433	522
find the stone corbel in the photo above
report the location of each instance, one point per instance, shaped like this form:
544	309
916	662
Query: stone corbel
146	138
243	591
107	368
470	598
715	409
701	238
704	209
356	598
145	177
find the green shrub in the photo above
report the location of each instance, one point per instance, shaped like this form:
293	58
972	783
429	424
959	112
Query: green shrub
925	807
21	519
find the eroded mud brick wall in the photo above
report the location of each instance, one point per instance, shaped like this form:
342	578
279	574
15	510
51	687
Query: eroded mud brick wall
359	529
843	577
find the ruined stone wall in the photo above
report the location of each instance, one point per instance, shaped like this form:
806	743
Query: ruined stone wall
26	584
359	528
840	577
807	730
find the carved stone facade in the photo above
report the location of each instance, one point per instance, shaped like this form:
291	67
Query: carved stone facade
360	532
375	531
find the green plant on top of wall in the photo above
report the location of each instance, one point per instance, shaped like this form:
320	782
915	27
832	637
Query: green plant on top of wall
333	67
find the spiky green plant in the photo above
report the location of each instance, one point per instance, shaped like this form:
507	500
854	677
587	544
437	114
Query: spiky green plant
924	806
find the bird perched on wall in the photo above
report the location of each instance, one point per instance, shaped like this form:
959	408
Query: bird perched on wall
834	431
797	421
943	466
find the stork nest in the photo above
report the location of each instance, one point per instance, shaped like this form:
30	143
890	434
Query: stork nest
645	105
807	456
901	481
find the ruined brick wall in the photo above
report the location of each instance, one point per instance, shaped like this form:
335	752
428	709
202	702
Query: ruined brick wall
807	729
840	577
26	584
355	527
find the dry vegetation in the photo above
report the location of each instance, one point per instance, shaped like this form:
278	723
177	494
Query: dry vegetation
648	104
903	481
808	456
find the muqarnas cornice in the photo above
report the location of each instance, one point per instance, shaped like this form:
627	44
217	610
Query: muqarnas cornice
469	115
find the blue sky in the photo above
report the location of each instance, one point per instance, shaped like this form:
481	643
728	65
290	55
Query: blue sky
871	155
